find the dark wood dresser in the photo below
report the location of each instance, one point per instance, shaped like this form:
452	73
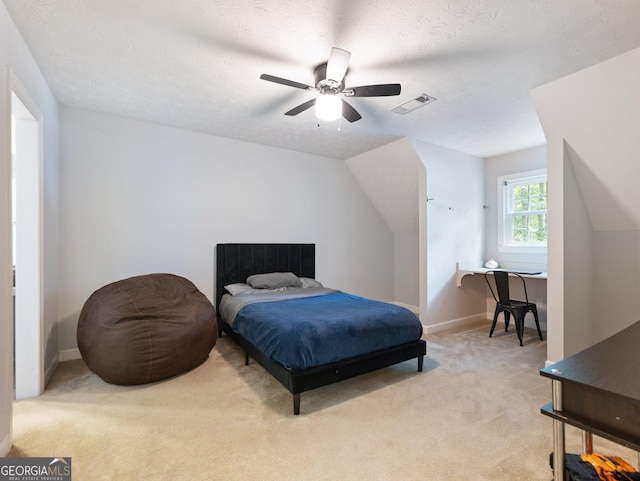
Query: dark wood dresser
598	391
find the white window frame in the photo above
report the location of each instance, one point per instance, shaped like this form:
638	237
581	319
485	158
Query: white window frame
504	181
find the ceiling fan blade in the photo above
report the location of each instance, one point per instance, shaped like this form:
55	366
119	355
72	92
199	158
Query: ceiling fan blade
383	90
284	81
338	64
301	108
349	113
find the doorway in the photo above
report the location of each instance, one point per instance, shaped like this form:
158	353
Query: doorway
26	196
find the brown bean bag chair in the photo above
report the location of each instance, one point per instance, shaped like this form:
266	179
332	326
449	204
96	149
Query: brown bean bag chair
146	328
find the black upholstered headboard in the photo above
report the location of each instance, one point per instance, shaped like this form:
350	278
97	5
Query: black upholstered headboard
236	262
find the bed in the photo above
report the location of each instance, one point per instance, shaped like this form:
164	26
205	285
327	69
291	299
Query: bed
235	263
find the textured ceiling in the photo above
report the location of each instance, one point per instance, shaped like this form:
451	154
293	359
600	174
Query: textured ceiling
195	64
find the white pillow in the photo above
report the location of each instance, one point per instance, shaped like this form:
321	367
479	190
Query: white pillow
235	289
243	289
308	282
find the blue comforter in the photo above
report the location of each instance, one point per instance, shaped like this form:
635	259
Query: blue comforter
308	332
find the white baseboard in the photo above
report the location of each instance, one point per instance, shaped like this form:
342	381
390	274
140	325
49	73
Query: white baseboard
5	446
69	354
50	369
64	355
414	309
455	323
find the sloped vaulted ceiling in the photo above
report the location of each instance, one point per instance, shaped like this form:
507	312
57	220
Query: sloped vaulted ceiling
597	113
389	176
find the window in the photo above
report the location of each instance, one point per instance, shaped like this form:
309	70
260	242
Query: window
523	222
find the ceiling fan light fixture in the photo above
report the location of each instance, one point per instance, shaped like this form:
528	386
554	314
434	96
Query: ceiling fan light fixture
328	107
329	84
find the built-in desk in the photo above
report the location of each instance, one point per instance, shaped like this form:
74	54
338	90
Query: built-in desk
598	391
469	271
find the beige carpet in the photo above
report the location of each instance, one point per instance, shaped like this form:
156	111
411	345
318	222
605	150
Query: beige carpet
473	414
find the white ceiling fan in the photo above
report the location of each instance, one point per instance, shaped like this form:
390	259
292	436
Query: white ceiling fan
329	84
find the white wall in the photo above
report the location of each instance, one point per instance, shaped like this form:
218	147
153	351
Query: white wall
593	177
391	176
406	248
579	294
494	167
455	227
617	281
556	158
15	55
137	198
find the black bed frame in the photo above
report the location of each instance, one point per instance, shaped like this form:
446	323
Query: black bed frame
236	262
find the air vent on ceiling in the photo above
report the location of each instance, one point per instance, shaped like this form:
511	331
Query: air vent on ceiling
411	105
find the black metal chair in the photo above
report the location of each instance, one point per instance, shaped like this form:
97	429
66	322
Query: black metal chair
509	306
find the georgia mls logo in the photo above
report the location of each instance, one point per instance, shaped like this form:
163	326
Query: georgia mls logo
60	466
35	469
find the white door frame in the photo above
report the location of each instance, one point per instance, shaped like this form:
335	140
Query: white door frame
29	338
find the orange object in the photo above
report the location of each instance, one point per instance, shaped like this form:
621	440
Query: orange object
609	468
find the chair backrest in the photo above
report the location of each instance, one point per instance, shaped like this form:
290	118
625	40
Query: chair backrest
502	285
501	279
